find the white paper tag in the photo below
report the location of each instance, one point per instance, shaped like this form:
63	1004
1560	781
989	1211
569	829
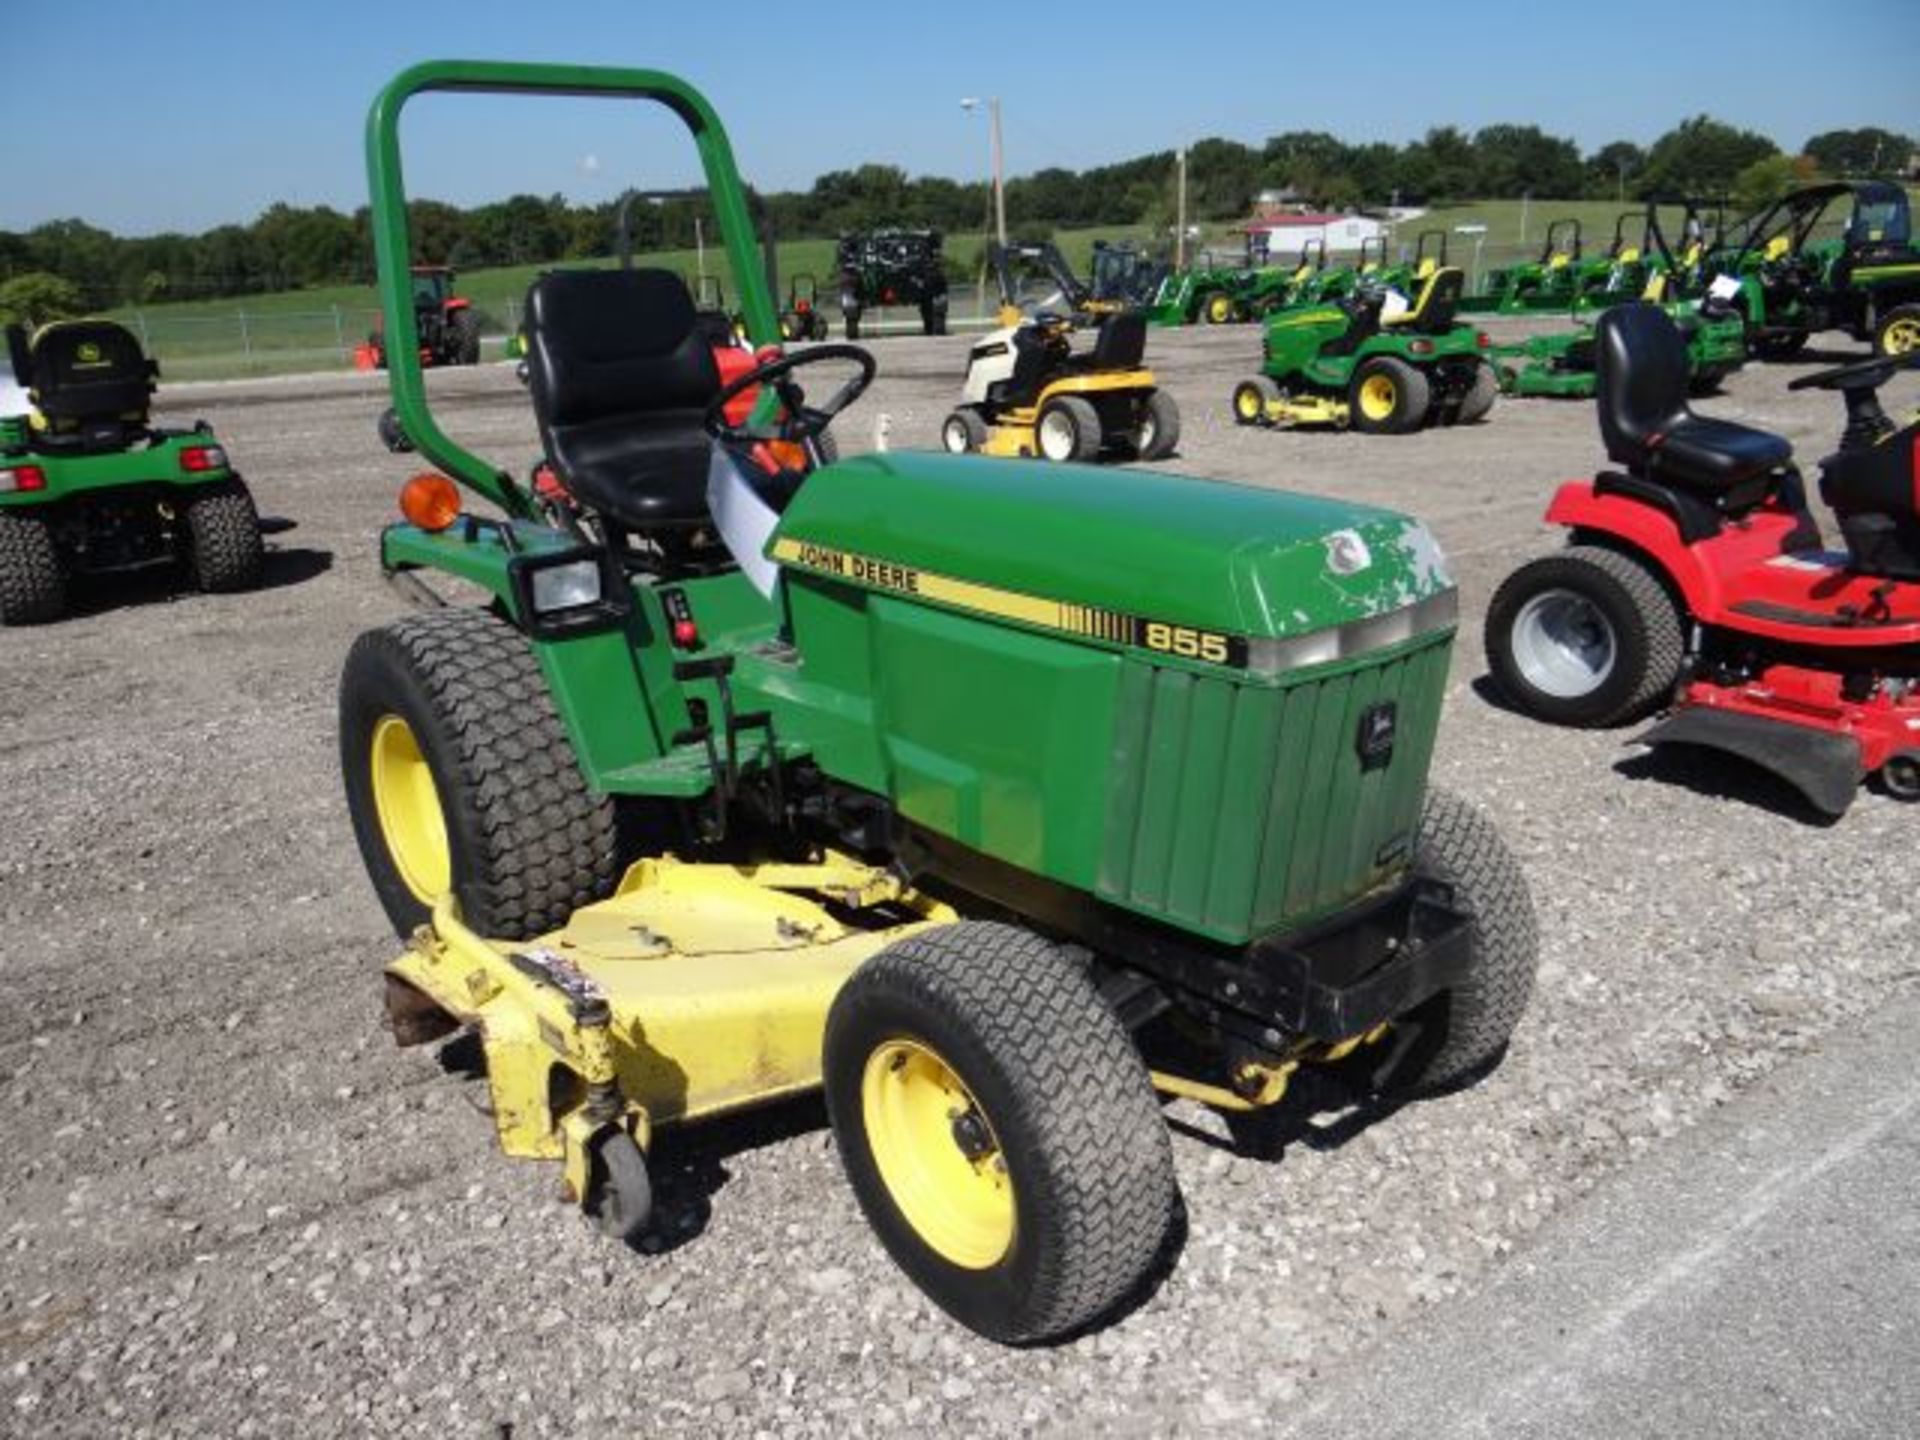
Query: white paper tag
1724	287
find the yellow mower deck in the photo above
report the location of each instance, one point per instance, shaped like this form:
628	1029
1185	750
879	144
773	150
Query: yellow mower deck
692	990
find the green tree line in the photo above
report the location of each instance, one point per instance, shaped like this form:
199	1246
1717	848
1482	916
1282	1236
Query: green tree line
69	264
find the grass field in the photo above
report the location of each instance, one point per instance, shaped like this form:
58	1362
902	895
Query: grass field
316	329
301	330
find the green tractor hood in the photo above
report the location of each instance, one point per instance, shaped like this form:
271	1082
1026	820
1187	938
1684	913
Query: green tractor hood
1115	554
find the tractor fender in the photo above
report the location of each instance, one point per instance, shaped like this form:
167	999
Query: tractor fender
1651	534
613	687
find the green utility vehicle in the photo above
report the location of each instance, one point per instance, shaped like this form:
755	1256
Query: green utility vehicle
991	796
88	485
1360	362
1827	257
1549	283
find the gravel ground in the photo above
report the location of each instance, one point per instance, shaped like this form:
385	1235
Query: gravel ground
235	1208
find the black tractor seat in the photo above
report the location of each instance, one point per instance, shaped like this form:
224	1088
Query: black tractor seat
1120	344
90	381
1641	377
621	372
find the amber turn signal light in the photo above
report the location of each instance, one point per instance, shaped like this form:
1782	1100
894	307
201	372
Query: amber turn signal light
430	501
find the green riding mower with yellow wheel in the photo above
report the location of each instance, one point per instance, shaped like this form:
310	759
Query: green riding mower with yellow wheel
1372	361
999	799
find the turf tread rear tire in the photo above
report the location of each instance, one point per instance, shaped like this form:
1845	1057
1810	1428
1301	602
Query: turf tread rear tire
1648	635
531	844
1413	397
1059	1078
1479	398
33	585
224	549
1458	844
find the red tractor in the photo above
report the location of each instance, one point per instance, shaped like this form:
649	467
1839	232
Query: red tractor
1697	581
449	328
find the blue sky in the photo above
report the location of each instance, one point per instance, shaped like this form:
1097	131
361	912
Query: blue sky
144	115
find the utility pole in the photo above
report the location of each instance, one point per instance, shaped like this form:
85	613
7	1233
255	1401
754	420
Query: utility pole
999	174
1180	212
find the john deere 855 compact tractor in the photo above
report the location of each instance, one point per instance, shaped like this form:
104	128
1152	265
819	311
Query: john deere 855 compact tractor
999	798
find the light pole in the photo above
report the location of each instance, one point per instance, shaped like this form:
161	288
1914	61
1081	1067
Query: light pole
1180	215
970	104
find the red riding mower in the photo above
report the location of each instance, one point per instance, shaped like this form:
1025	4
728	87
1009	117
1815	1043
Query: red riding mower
1696	581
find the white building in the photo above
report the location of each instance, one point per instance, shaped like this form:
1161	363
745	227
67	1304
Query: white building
1282	235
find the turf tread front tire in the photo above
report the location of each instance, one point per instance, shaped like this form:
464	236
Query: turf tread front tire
1058	1077
530	843
1164	414
224	549
1648	636
1473	1021
1084	423
33	586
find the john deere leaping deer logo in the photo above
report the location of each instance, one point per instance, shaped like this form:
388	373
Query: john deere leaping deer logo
86	355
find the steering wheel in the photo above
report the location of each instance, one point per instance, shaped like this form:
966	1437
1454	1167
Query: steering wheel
1861	374
801	420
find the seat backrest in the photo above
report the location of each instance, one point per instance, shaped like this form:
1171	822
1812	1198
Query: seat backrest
1435	306
615	348
1640	377
1123	342
82	370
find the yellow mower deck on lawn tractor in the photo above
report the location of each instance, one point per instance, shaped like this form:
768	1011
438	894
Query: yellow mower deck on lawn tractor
691	991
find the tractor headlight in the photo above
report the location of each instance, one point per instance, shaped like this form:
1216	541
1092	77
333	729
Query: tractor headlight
568	592
566	587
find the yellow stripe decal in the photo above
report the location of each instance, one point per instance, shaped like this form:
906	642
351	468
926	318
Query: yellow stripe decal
1092	621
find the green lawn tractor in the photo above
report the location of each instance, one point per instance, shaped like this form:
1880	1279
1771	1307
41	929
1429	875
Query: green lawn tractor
1562	365
1029	391
1362	362
88	485
1206	292
893	267
802	319
447	327
1827	257
1001	801
1622	273
1544	284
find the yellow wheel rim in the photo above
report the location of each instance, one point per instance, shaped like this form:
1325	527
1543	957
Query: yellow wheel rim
1247	402
411	821
1902	337
937	1154
1377	397
1218	308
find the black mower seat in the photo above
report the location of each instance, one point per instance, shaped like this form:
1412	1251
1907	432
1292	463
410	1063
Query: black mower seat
1641	376
621	373
90	381
1121	343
